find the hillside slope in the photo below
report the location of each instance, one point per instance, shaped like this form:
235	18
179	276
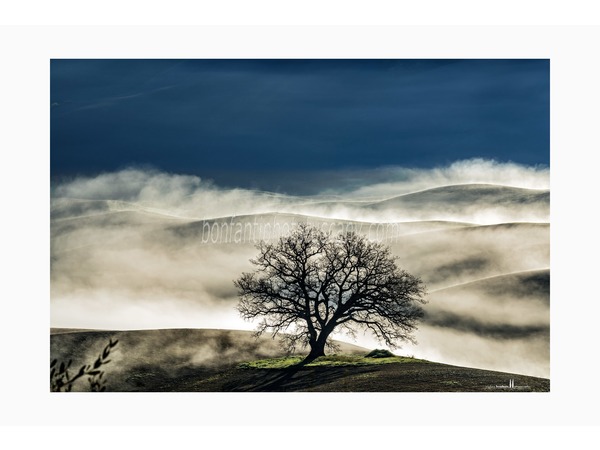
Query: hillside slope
146	359
185	360
420	376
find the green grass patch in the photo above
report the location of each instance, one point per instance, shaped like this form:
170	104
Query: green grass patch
273	363
450	383
326	361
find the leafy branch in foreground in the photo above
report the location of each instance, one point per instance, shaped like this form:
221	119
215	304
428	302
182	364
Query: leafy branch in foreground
62	381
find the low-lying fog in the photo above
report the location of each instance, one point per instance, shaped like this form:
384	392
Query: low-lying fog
139	249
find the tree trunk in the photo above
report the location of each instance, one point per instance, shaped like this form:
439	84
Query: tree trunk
317	348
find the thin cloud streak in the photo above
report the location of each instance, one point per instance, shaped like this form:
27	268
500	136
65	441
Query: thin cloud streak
110	101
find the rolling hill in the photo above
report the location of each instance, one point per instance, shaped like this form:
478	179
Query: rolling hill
480	203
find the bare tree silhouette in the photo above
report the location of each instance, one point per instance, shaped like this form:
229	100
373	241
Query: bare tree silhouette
309	283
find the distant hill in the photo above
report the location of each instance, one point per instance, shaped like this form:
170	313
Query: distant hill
465	200
460	203
467	195
254	227
500	323
487	307
448	257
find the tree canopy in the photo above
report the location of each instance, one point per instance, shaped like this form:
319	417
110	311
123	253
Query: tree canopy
310	283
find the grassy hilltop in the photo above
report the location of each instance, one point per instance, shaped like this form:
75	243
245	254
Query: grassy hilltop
190	360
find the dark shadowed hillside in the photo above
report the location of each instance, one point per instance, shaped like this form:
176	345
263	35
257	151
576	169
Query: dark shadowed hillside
149	359
189	360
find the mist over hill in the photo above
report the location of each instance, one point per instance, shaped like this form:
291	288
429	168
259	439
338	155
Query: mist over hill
139	250
143	359
509	315
480	203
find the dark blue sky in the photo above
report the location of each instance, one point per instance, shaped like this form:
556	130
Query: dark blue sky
284	124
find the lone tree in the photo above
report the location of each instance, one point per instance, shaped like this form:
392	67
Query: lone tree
309	283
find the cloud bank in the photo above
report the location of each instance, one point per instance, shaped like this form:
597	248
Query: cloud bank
192	197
